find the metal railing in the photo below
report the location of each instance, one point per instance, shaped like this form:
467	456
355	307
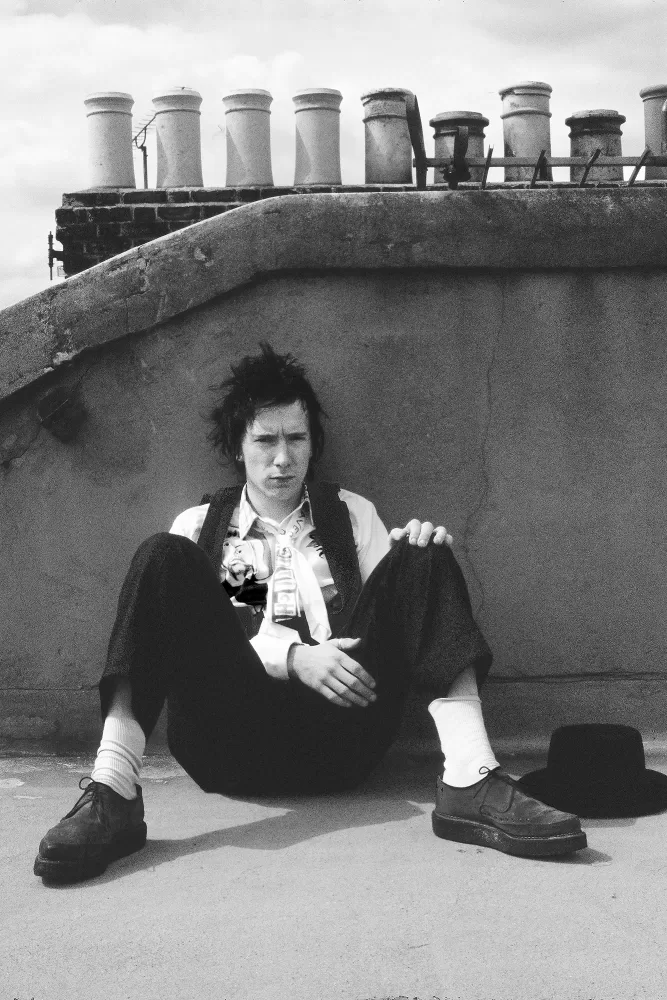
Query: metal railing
456	169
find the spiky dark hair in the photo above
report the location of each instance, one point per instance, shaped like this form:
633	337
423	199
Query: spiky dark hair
258	381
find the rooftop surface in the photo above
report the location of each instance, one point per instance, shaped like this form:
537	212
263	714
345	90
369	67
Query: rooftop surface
339	897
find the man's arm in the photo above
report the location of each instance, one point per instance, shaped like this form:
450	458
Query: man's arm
328	669
189	522
274	650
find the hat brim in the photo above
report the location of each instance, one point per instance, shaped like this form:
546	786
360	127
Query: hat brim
645	797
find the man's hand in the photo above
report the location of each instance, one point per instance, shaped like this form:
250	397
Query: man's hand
420	533
328	670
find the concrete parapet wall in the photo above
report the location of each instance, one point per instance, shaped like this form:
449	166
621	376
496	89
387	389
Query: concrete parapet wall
569	229
96	225
494	360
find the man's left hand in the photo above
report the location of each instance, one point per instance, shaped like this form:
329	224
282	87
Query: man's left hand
420	533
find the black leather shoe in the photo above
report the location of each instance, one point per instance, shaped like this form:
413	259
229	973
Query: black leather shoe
495	812
102	827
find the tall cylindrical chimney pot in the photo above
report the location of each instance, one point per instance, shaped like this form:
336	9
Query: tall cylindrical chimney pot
591	130
248	127
110	139
654	126
526	130
178	137
445	126
388	146
317	113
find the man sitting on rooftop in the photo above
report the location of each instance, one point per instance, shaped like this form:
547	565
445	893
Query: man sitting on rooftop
284	626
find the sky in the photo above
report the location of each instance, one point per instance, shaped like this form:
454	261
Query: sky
453	54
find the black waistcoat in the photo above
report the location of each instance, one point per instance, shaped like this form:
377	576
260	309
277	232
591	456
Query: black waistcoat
333	531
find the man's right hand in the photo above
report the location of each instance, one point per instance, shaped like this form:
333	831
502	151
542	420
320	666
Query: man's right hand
328	669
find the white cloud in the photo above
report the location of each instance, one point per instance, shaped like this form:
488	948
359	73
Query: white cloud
545	24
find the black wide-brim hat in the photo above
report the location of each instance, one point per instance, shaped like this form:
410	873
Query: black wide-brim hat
598	771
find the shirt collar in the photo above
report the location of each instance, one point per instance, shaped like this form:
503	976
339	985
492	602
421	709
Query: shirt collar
248	515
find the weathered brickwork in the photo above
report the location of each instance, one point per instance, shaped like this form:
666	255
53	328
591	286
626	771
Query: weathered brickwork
95	225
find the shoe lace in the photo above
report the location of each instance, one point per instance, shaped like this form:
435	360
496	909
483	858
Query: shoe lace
90	792
499	774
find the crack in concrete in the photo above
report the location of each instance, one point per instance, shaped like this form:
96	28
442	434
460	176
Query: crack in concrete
143	266
580	677
9	457
474	516
51	690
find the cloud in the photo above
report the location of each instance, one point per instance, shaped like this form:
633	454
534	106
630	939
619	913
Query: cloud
142	13
256	13
555	25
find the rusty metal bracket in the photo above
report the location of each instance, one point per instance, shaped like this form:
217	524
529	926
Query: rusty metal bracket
487	167
642	160
416	139
589	163
457	171
53	256
541	168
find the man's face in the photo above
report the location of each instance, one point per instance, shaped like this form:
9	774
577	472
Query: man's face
276	450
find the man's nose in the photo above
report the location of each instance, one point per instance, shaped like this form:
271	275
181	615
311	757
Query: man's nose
281	456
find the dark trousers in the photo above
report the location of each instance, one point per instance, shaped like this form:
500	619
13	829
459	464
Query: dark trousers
235	729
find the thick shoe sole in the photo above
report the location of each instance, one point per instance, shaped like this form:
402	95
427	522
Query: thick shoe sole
85	868
468	831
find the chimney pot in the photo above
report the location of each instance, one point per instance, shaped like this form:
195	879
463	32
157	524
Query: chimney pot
110	159
178	137
248	128
317	113
387	137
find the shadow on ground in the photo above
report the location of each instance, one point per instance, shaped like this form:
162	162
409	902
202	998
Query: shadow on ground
388	796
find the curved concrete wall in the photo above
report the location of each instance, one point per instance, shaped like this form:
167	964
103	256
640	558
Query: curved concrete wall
523	407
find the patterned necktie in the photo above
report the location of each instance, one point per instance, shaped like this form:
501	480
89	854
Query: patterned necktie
285	590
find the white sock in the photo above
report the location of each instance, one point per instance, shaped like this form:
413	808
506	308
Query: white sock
118	760
462	733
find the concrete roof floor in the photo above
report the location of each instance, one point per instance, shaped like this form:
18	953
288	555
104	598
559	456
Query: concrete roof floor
340	897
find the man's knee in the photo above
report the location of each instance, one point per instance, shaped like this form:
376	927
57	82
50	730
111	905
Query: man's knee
164	541
164	546
402	551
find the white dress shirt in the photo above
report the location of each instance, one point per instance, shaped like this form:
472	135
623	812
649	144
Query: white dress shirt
249	549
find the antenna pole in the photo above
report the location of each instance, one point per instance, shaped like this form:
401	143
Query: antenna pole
139	141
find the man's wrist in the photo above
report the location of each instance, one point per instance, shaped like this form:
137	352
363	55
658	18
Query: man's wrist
291	654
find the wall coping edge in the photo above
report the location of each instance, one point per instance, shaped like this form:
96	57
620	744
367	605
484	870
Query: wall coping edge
436	230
